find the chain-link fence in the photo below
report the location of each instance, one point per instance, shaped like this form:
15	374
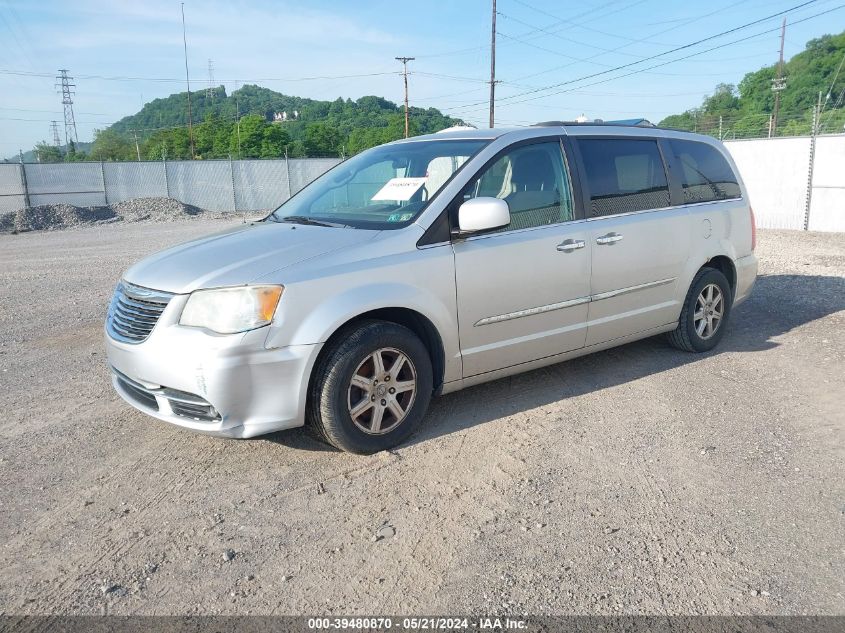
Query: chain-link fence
214	185
794	183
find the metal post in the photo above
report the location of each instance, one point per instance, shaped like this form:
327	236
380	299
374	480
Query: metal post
232	180
23	183
812	164
287	171
166	181
103	180
493	67
720	127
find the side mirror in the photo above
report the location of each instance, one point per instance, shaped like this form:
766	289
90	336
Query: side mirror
483	214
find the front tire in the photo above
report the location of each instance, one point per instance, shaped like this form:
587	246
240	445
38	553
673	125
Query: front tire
371	388
705	314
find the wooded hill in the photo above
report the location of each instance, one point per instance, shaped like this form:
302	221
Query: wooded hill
745	108
242	125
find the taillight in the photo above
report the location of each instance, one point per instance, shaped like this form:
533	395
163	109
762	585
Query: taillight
753	229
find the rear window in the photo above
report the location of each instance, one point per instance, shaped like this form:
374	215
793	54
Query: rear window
707	176
624	175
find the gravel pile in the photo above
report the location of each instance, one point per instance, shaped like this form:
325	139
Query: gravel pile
61	216
155	209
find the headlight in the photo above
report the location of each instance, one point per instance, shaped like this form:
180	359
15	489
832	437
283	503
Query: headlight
231	310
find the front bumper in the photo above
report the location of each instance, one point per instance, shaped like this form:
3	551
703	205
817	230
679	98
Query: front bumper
229	386
746	275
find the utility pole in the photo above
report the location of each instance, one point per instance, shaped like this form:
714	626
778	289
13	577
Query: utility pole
137	149
67	102
405	61
493	67
720	127
54	127
188	82
779	83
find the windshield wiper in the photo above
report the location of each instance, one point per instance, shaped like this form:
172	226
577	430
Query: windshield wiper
302	219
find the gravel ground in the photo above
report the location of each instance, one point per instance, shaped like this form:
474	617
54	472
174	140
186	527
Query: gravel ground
636	480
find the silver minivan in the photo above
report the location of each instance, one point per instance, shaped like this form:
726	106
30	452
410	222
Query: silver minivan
431	264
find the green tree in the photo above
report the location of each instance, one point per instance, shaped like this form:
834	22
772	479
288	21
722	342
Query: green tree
110	145
744	110
275	140
322	139
48	153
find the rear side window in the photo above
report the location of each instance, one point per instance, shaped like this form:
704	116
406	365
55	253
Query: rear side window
624	175
707	176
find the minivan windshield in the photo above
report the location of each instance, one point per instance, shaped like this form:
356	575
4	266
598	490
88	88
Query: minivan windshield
386	187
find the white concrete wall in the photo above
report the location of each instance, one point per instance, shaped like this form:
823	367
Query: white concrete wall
827	207
776	174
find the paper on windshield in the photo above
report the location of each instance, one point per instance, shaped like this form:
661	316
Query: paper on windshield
399	189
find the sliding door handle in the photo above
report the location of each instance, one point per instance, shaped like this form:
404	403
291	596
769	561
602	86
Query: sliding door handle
567	246
610	238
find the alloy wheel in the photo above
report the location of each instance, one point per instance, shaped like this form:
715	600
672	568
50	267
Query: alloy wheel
382	391
709	310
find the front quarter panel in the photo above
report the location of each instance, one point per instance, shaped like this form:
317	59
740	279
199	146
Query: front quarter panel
320	298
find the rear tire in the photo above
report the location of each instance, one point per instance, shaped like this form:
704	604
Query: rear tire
705	314
371	388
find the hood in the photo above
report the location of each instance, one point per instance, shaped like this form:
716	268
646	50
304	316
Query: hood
239	256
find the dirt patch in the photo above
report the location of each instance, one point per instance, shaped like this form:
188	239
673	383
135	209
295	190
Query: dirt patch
62	216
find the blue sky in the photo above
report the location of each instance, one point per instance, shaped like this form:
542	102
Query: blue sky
125	53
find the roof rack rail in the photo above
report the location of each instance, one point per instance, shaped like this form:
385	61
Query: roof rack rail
620	122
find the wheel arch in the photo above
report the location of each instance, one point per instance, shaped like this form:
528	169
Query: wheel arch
415	321
725	265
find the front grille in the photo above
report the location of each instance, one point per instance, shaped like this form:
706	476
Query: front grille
134	311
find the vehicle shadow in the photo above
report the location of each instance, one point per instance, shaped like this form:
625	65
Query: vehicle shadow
779	304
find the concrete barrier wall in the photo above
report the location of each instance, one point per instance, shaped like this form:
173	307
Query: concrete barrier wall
777	174
827	204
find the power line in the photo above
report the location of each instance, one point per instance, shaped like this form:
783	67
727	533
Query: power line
685	22
23	73
589	28
510	98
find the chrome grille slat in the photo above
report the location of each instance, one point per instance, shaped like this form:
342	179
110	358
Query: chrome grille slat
142	305
128	318
134	312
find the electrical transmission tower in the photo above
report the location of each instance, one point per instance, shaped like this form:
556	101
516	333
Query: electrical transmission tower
209	93
54	128
67	102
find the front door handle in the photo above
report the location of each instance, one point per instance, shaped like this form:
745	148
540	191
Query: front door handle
610	238
567	246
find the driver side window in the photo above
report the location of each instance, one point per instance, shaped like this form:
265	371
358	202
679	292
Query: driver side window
533	180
